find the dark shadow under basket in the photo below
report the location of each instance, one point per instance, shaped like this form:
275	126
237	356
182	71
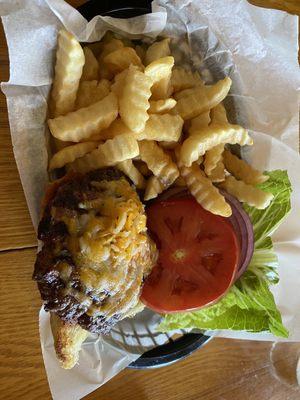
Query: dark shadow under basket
177	349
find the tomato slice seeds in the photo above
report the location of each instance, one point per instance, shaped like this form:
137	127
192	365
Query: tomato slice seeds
198	256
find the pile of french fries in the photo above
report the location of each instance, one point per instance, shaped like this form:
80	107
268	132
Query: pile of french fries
117	104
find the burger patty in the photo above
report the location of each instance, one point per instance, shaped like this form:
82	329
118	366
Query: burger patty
59	269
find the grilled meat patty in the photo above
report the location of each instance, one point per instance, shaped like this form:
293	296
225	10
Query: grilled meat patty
96	251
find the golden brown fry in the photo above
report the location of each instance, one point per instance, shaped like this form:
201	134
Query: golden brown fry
197	144
84	123
153	188
110	153
206	194
168	145
218	173
68	70
120	148
184	93
70	153
243	171
119	81
165	127
202	99
185	79
161	106
90	92
90	69
109	46
162	89
159	162
116	128
129	169
160	72
197	123
189	92
218	114
247	193
121	59
212	158
157	50
160	68
134	100
126	42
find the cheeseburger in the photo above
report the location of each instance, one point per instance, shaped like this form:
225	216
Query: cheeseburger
95	255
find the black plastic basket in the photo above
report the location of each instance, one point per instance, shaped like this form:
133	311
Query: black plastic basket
173	350
115	8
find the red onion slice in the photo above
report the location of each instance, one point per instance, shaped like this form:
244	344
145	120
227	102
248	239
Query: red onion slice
243	228
240	221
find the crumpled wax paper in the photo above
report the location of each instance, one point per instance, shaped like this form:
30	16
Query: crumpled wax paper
256	47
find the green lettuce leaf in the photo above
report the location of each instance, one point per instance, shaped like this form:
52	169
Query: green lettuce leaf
266	221
249	305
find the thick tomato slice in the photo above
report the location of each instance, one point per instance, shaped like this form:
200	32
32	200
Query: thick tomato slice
198	256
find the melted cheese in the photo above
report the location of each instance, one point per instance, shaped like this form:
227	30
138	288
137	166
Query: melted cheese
106	244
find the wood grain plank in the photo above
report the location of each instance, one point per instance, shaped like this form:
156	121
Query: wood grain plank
76	3
290	6
222	370
22	374
16	230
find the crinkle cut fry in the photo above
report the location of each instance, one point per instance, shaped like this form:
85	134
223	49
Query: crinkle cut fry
202	98
206	194
134	99
129	169
113	151
153	188
69	153
165	127
85	122
247	193
68	70
159	162
243	171
197	144
212	158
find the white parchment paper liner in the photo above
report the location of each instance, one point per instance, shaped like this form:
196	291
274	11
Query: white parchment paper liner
256	47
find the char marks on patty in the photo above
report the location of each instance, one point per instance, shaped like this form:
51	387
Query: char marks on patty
75	284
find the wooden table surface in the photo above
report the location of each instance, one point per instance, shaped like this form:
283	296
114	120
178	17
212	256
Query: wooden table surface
223	369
